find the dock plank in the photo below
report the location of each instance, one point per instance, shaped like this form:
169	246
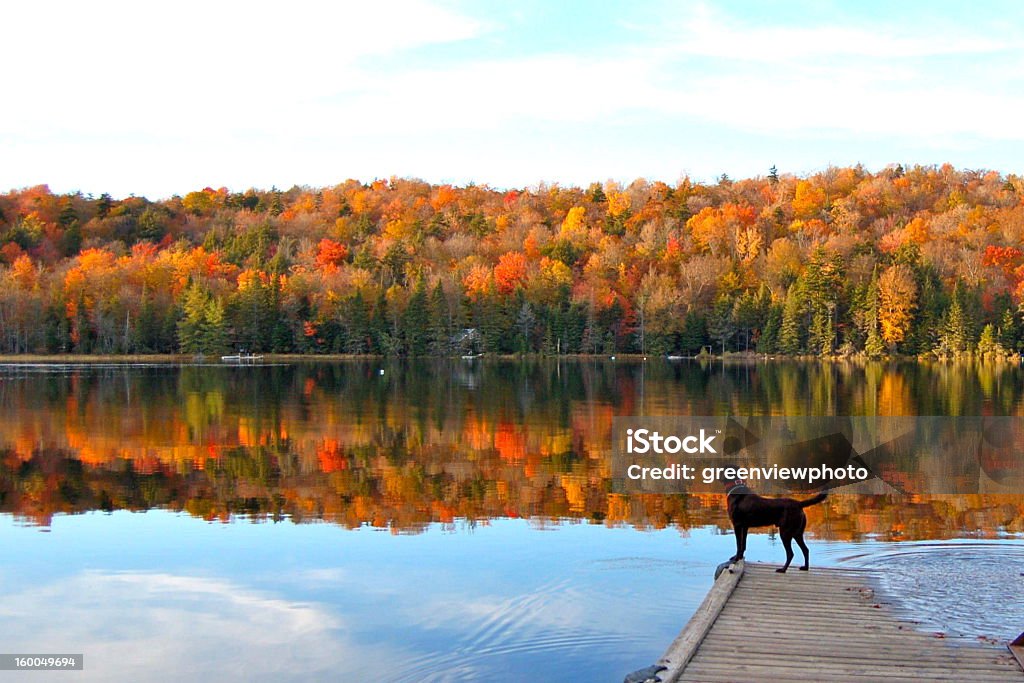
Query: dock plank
822	625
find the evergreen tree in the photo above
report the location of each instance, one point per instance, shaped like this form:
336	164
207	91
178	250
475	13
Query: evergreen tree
821	336
789	331
874	347
380	324
440	327
694	334
592	337
103	205
252	315
954	338
190	327
574	324
214	328
988	345
721	327
71	240
357	325
822	286
525	322
147	327
926	328
282	335
768	342
746	316
970	303
415	322
548	344
488	315
1009	331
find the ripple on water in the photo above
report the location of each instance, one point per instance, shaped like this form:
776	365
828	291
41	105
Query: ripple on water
963	589
539	626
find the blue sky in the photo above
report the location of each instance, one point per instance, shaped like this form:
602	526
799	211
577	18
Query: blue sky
162	98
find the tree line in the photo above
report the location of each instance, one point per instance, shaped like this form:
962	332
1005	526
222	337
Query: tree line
923	260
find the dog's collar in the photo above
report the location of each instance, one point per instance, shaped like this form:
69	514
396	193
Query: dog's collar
737	488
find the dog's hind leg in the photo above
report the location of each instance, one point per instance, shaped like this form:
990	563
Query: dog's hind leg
799	534
803	547
787	542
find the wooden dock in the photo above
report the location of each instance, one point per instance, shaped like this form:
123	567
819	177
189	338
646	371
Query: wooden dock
821	625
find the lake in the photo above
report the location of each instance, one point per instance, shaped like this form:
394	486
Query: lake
449	520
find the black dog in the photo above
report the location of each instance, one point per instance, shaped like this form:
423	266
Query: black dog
747	509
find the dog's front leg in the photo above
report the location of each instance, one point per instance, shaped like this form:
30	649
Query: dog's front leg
741	542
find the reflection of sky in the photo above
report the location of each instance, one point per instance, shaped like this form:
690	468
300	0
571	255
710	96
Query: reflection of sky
167	596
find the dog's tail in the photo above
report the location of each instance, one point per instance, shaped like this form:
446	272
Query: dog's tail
813	501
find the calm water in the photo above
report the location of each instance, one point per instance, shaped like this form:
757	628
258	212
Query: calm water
447	521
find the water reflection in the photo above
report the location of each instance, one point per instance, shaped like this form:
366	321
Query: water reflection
421	443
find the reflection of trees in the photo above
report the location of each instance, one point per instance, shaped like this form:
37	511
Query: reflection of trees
415	445
405	489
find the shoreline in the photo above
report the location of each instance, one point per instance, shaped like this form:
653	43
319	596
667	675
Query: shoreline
172	358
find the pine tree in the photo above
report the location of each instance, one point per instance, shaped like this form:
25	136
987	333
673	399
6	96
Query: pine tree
988	346
746	315
147	327
525	321
440	327
789	332
415	322
190	327
591	332
549	345
282	335
103	205
214	328
1009	331
768	342
357	325
488	313
721	326
874	347
380	324
954	337
694	334
821	336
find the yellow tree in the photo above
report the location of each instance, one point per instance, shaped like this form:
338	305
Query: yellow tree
575	223
808	200
897	299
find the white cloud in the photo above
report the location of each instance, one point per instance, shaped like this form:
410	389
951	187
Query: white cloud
191	68
160	99
711	33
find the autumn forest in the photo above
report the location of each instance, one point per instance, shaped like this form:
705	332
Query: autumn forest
915	261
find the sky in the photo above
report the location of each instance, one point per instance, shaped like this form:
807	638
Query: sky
161	98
